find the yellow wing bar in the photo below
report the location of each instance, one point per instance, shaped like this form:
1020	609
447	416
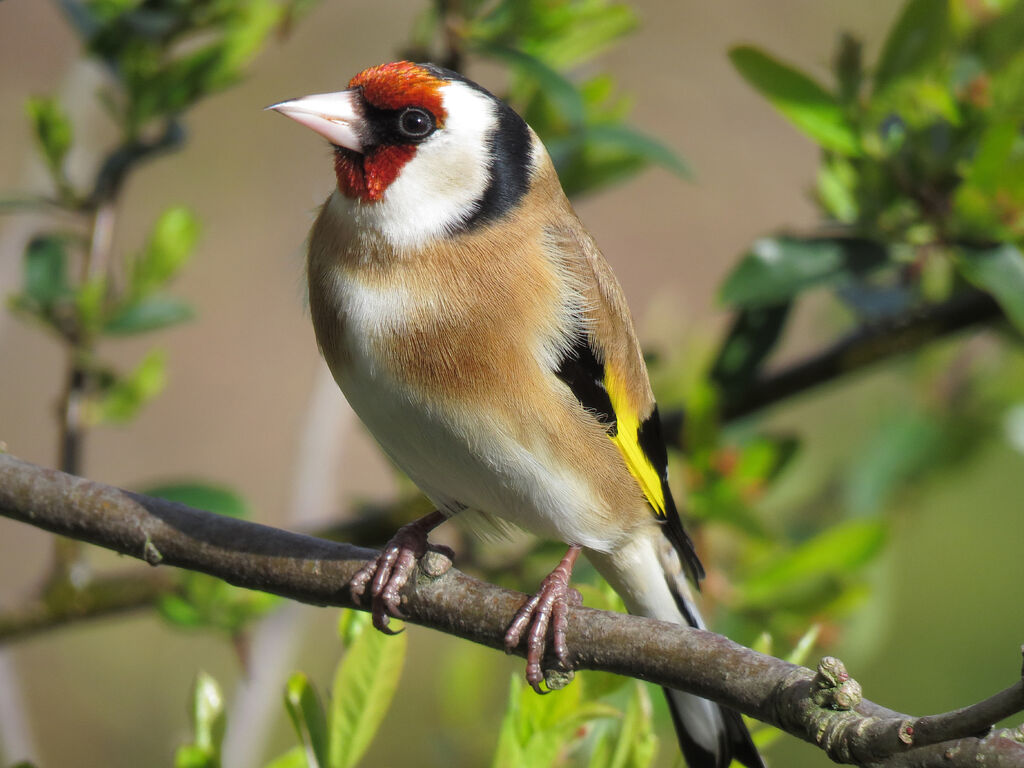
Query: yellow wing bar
626	438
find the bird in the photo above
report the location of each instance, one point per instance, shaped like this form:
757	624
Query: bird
475	328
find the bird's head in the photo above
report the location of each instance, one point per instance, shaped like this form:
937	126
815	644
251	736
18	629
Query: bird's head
421	138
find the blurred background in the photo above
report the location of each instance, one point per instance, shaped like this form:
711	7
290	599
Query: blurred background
935	622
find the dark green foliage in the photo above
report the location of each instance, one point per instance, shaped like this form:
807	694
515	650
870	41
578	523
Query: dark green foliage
928	162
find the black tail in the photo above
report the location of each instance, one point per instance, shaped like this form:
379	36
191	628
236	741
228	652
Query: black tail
734	742
710	735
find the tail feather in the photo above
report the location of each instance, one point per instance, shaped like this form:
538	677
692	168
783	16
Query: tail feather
648	575
700	723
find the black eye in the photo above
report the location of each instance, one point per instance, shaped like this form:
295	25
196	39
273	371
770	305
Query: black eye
416	123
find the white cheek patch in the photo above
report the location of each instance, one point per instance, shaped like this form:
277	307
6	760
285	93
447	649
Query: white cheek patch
439	187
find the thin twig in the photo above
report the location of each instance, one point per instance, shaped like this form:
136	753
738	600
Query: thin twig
316	571
107	596
866	346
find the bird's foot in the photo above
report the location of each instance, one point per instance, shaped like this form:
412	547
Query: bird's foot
392	568
550	606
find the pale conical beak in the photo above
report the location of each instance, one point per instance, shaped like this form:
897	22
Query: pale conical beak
335	116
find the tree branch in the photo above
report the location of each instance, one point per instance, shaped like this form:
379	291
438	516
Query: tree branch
99	598
315	571
867	345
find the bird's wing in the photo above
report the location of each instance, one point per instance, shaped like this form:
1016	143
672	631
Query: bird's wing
606	372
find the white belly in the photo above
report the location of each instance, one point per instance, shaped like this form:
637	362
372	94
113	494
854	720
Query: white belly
462	461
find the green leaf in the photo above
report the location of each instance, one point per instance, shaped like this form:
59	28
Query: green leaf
777	268
638	145
206	712
124	399
52	129
754	333
208	717
633	744
907	442
293	758
191	756
45	279
999	38
849	68
563	34
148	313
206	496
1000	271
562	93
837	189
89	303
307	716
803	101
180	612
351	624
804	645
538	730
918	38
170	245
835	554
605	153
364	684
989	166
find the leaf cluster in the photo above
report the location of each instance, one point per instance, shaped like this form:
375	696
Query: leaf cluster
161	57
921	168
918	191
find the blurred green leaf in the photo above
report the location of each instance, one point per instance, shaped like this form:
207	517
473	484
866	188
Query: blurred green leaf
804	645
45	275
804	102
537	730
125	398
364	684
918	38
988	168
837	189
836	553
1000	271
638	145
180	612
849	68
551	83
561	32
171	243
631	742
207	602
600	155
52	129
777	268
351	624
206	713
999	39
149	313
906	442
307	716
1007	85
212	498
293	758
90	296
754	333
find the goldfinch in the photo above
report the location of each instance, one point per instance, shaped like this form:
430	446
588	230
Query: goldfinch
475	328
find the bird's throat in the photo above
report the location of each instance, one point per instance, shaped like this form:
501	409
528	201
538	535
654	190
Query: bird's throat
367	176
